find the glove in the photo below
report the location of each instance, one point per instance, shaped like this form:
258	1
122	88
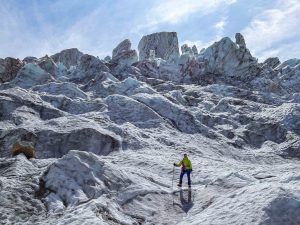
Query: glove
174	164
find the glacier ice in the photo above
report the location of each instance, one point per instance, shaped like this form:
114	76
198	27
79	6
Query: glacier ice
107	132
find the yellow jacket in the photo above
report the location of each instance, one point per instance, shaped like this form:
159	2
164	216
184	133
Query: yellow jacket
185	163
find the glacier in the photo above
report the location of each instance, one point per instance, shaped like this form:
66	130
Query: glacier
106	132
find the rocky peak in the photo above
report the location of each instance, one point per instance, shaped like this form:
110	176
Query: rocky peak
185	49
88	62
30	59
121	47
272	62
68	57
165	45
123	54
9	68
195	50
88	67
289	63
47	64
229	58
107	58
240	40
30	75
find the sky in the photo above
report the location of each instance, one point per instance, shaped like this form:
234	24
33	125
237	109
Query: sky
39	27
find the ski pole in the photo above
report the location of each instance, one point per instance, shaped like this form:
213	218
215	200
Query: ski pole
173	176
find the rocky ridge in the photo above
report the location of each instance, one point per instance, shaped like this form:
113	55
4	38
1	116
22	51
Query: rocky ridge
105	134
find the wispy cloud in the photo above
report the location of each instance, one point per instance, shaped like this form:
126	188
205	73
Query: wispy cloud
96	27
272	29
21	33
176	11
221	24
34	32
219	28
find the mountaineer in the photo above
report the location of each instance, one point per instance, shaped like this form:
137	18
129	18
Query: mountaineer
186	167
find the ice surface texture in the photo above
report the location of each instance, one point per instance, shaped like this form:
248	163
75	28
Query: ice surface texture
107	132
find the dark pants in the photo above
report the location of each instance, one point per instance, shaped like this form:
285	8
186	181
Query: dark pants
188	173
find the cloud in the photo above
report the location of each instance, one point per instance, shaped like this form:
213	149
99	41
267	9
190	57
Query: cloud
271	30
21	33
32	32
219	27
95	28
221	24
176	11
284	51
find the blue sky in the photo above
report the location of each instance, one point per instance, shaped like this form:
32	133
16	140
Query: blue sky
39	27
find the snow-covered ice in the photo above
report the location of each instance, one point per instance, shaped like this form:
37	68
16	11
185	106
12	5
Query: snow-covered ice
107	132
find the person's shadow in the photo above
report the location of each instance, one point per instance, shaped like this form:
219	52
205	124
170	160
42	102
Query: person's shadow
185	200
